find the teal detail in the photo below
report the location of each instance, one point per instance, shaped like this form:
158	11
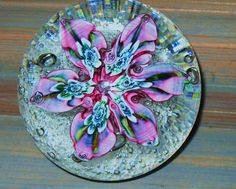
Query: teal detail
97	120
123	106
90	56
73	88
126	83
123	60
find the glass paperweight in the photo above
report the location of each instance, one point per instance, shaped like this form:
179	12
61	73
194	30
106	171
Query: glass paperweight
109	90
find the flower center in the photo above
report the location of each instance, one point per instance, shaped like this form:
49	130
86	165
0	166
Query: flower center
104	86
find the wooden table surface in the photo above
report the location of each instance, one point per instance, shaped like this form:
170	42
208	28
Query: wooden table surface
207	162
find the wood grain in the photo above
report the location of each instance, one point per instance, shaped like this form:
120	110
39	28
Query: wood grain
208	161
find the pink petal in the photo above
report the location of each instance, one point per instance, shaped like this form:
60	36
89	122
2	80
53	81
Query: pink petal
85	102
64	75
67	40
145	48
110	56
141	132
98	40
172	85
167	81
49	100
157	95
142	30
78	124
84	147
155	70
77	62
148	30
142	60
82	28
68	43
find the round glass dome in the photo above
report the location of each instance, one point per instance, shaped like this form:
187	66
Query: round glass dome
109	90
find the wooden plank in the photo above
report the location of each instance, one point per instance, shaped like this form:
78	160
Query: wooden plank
209	161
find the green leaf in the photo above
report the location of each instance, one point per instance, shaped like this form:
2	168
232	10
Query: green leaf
162	76
65	94
92	36
75	54
126	126
60	87
95	141
142	116
58	78
80	133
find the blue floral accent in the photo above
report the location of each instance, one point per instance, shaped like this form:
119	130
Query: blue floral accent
71	89
123	106
126	83
91	56
98	118
123	59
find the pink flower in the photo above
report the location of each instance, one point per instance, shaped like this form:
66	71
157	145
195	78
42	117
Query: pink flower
108	86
